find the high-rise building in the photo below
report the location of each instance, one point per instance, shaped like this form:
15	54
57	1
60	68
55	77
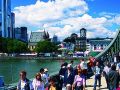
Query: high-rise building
24	35
55	39
12	25
5	18
21	34
0	18
17	33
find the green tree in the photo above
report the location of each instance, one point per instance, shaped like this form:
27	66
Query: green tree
46	47
12	46
20	47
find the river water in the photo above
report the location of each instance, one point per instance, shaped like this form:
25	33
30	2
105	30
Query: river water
10	68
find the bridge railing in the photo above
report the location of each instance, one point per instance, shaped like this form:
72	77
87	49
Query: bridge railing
106	51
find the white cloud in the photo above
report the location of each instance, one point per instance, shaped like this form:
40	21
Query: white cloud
40	12
64	17
116	19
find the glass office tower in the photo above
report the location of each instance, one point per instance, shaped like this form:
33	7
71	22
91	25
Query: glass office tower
5	18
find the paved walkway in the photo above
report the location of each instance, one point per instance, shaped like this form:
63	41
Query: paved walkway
90	83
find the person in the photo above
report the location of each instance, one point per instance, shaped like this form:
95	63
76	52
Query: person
97	75
91	63
46	72
47	75
83	66
76	69
24	83
2	81
53	85
72	62
113	78
79	81
44	77
106	71
62	73
38	83
68	78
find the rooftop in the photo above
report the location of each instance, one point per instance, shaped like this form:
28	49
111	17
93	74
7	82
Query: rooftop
36	36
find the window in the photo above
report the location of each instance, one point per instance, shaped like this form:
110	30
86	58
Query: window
95	47
101	47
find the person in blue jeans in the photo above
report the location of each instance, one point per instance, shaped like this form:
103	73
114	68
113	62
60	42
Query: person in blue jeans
97	75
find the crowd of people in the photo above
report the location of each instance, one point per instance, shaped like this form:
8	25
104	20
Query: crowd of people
73	78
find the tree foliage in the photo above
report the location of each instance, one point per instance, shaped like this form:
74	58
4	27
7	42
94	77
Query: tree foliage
12	46
69	40
46	47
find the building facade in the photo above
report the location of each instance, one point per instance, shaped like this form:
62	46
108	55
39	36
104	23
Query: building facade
80	43
5	18
13	25
83	43
21	34
55	39
98	44
35	37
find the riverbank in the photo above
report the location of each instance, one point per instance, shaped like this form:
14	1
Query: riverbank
40	58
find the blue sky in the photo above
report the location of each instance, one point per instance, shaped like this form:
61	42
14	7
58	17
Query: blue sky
95	6
101	15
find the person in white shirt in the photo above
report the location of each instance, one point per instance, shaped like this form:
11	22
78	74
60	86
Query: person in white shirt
106	71
24	83
44	77
97	75
38	83
83	66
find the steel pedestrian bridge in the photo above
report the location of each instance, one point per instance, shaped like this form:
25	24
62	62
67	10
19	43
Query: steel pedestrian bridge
112	50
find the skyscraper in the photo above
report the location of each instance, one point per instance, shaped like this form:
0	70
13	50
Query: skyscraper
5	18
21	34
12	25
0	18
55	39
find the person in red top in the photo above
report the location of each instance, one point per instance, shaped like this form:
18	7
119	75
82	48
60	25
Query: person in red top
91	62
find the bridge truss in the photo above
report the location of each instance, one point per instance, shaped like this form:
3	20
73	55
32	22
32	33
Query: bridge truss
112	50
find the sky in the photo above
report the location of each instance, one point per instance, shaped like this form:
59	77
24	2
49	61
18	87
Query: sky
101	18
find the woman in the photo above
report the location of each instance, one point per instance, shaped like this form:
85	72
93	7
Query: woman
38	83
79	81
53	85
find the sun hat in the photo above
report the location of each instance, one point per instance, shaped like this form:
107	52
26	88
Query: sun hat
45	70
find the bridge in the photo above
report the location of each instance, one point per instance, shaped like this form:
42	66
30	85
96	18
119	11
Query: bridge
112	51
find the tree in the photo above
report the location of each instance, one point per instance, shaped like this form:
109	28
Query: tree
20	47
69	40
12	46
46	47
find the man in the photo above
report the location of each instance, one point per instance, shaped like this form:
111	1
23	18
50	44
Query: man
68	78
83	66
106	71
24	83
97	75
44	77
113	78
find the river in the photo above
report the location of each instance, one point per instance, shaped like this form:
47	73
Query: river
10	68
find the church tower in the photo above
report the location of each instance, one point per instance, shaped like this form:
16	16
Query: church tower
83	39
